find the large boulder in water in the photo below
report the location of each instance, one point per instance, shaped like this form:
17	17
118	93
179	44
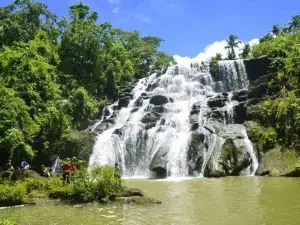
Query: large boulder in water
159	100
229	158
159	162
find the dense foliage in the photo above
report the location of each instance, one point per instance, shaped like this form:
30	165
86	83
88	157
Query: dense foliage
280	114
100	184
55	74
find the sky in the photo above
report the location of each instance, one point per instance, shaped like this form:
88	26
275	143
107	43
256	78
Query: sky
192	28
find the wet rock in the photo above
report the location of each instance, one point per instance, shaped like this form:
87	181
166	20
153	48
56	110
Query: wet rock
159	100
105	125
159	162
196	106
119	131
194	126
153	85
159	109
141	201
195	153
150	119
134	110
123	102
230	158
240	95
130	192
195	111
239	113
257	67
138	102
219	115
106	111
216	102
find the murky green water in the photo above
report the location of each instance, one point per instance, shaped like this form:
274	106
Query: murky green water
240	200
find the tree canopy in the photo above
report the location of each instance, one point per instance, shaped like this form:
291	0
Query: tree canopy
56	73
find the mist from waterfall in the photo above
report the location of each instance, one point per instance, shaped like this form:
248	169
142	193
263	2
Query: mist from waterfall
166	144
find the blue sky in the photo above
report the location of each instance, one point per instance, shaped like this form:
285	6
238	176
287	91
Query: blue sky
188	26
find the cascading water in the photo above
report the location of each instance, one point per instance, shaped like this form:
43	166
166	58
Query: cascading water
155	134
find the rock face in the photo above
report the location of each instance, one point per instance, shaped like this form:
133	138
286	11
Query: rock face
257	67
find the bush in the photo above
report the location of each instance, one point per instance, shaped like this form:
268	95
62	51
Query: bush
100	184
12	194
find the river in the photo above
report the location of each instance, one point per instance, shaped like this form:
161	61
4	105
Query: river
232	200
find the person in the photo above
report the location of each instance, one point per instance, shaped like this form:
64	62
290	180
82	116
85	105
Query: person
117	167
66	170
9	167
118	170
44	172
24	165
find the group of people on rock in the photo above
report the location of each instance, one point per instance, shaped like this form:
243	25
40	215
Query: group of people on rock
23	166
68	166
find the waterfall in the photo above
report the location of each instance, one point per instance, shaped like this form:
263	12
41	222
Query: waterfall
233	75
153	133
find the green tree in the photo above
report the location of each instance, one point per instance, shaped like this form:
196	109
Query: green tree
246	51
276	30
294	23
21	20
232	42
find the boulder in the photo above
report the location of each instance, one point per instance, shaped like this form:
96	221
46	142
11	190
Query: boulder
159	109
150	119
123	102
134	110
218	101
239	113
138	102
153	85
159	162
229	158
131	192
159	100
240	95
106	111
195	153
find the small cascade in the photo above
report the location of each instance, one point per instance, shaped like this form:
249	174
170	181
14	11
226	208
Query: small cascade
177	125
233	75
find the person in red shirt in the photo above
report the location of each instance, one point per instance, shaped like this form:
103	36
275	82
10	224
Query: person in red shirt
66	168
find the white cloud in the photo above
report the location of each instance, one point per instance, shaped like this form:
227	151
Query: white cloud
143	18
114	2
212	50
116	10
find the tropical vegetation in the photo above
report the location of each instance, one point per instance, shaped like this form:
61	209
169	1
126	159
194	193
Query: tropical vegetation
57	73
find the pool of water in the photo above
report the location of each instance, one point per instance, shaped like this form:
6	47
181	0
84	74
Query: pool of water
233	200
